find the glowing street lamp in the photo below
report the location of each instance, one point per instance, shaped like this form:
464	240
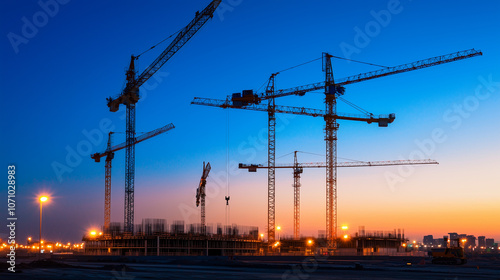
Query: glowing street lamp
42	200
464	241
278	228
344	227
93	233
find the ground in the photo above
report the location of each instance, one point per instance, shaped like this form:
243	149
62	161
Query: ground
239	267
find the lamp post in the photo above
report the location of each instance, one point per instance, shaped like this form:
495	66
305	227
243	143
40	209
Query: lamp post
464	241
42	200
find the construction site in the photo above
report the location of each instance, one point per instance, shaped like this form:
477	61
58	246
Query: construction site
155	237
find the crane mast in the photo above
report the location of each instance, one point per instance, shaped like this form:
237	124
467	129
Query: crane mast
201	194
130	96
271	155
109	153
107	184
297	170
331	128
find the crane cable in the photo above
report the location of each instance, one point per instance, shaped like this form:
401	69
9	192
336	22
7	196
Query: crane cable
354	106
227	197
154	46
289	68
307	62
299	65
337	157
338	57
368	63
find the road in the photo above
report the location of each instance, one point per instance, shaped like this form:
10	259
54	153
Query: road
222	268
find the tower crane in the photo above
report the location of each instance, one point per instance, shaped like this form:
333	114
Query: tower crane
298	169
200	195
130	96
250	101
109	153
382	120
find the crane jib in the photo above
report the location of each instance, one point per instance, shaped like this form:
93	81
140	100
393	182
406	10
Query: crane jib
420	64
145	136
180	40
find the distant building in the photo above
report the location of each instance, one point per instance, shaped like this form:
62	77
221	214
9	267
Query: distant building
428	240
490	242
471	241
462	240
481	242
453	239
439	242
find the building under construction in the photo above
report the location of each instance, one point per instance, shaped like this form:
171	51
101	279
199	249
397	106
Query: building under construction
362	243
155	238
152	238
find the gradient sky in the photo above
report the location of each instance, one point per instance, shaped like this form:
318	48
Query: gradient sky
55	82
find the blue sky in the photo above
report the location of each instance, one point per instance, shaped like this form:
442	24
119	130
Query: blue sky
55	83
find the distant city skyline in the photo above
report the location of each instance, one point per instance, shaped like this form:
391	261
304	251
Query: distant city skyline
464	240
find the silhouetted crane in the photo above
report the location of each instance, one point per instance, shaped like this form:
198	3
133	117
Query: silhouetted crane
109	153
200	195
249	101
130	96
298	168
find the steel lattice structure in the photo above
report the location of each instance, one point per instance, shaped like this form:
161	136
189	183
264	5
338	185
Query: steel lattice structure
201	194
109	154
130	96
332	90
298	169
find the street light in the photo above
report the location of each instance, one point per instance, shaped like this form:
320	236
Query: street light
42	199
278	228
